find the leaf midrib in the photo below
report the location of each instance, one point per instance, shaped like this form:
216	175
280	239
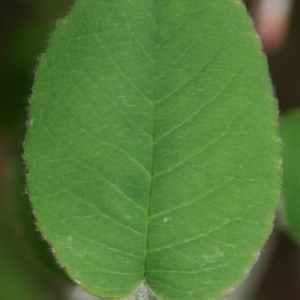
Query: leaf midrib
147	216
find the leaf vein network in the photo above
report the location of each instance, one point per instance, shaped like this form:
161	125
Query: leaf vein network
102	214
211	59
121	72
105	246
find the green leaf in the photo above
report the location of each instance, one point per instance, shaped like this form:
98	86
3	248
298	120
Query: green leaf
152	149
290	134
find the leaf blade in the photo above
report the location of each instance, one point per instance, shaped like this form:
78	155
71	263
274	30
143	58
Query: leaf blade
157	138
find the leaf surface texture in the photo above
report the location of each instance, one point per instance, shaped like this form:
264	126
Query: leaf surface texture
152	150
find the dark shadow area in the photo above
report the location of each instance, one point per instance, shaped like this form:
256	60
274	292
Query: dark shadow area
25	28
